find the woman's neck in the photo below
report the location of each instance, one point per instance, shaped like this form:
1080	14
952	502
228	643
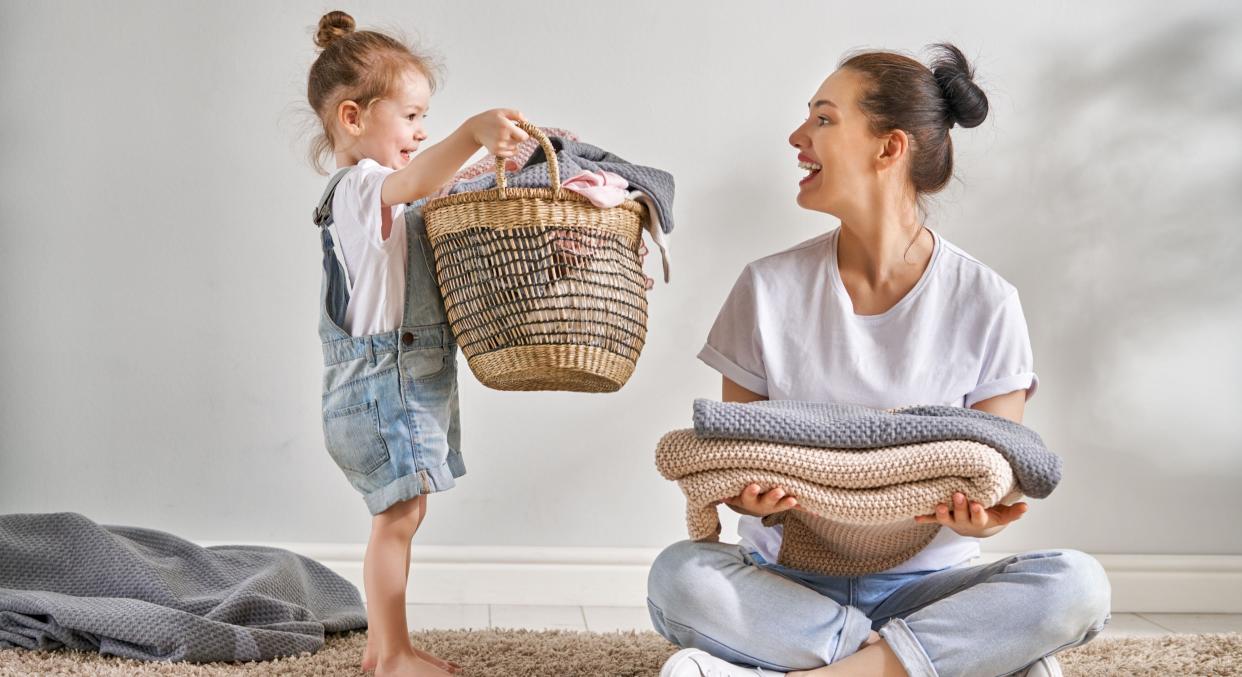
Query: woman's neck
886	247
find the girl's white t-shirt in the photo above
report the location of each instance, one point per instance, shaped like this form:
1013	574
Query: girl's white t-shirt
788	331
375	267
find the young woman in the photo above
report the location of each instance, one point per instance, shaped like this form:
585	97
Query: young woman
882	312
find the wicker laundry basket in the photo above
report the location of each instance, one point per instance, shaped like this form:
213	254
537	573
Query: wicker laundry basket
543	290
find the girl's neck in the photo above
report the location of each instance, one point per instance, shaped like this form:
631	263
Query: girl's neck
345	158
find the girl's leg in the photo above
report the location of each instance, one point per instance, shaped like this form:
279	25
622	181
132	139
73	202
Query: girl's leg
712	596
988	620
369	659
385	582
440	662
422	512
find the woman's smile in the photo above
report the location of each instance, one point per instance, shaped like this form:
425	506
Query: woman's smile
813	168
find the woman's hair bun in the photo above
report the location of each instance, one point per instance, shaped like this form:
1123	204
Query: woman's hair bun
333	26
968	105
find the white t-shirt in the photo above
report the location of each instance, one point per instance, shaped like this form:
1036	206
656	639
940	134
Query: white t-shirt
375	267
788	331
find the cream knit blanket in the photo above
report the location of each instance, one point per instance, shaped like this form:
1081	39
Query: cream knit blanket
856	507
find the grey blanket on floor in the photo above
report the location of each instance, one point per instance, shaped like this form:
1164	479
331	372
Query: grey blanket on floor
66	581
574	157
843	426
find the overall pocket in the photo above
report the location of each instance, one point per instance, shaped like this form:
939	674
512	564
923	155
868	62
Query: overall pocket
353	438
422	364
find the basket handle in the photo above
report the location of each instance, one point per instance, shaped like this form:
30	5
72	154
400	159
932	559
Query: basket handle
554	171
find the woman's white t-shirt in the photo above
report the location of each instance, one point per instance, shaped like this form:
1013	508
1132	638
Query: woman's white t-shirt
788	331
375	267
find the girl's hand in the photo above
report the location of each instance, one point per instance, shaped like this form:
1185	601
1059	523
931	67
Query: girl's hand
752	503
495	131
973	520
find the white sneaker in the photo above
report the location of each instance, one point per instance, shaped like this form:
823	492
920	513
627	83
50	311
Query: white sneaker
699	663
1047	666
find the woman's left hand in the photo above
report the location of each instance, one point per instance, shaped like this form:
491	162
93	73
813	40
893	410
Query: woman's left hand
973	520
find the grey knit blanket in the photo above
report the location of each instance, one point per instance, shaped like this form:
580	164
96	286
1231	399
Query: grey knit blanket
66	581
818	424
573	157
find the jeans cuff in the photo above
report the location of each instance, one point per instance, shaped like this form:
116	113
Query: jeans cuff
854	631
907	649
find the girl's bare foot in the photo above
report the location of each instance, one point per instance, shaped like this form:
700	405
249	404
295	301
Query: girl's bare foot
369	660
408	665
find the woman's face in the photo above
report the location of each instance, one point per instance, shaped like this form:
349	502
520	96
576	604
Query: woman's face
836	147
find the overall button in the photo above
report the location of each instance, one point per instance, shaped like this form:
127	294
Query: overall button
407	338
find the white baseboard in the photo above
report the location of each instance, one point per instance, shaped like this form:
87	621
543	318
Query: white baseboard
618	576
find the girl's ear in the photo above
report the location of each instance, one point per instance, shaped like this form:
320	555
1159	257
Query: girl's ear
349	117
893	147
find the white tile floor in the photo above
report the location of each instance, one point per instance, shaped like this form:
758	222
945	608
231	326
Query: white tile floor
613	618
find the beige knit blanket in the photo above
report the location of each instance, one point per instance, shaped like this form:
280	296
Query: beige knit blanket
857	506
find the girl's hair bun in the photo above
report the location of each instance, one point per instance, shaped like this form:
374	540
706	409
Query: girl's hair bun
332	27
968	105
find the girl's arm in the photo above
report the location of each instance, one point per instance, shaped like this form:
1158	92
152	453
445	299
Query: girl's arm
434	167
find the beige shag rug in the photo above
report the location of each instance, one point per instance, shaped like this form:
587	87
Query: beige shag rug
528	653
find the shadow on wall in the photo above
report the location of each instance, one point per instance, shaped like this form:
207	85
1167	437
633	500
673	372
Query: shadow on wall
1128	194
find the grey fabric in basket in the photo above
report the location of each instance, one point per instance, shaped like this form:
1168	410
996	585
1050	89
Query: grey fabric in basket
574	157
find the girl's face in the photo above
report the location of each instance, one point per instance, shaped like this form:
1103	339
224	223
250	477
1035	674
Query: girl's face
836	147
392	127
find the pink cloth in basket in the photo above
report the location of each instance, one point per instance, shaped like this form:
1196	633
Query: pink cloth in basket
603	188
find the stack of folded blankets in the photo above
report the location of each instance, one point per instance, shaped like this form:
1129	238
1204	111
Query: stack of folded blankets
860	475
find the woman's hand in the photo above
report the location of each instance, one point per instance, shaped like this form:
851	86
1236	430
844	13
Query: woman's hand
973	520
495	130
752	503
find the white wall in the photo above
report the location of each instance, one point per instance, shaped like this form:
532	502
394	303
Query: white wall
160	365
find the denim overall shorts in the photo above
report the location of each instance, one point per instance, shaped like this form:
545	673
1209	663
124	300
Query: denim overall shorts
390	414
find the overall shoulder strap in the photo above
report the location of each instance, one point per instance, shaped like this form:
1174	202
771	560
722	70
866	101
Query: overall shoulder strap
337	287
323	211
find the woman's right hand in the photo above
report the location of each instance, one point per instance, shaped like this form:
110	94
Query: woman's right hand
495	130
755	504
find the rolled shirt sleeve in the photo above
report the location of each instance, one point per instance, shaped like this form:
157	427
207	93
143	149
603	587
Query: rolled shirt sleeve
734	344
1008	363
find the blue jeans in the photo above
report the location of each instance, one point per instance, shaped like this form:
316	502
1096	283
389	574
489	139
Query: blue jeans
988	620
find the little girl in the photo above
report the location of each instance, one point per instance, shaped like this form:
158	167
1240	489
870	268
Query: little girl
390	412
